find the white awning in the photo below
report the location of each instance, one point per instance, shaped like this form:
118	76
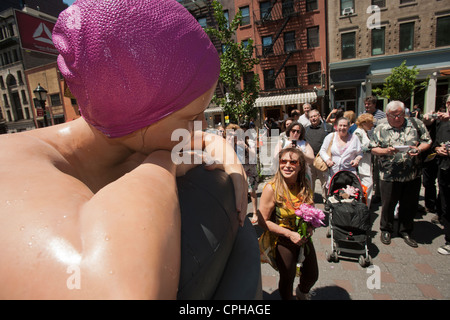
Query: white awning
307	97
214	110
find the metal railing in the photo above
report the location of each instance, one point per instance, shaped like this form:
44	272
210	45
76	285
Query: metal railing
277	10
280	47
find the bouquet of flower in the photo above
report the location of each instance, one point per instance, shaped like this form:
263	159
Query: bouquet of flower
308	214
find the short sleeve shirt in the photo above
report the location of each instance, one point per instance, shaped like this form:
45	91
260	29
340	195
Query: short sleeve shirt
400	167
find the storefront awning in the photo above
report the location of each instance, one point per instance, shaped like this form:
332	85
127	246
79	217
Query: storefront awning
282	100
445	72
214	110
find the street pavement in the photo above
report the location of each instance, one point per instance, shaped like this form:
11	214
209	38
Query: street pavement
398	271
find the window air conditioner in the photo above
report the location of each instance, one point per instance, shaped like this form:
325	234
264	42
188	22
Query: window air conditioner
347	11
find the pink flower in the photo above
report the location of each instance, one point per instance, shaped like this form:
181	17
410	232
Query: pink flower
311	215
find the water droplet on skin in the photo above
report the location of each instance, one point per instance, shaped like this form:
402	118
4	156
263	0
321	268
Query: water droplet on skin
22	228
111	272
8	203
107	238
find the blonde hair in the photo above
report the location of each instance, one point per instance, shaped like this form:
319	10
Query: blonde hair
281	188
350	115
365	117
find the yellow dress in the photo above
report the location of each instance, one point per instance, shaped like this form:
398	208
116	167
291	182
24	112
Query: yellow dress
284	217
285	214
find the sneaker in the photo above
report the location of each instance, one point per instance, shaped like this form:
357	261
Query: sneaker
445	249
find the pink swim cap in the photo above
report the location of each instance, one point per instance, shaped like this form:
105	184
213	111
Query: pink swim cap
131	63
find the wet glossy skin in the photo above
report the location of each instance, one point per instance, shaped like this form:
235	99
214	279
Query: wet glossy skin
87	217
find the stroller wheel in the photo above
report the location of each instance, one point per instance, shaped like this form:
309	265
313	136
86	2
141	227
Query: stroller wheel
335	256
328	256
331	257
364	262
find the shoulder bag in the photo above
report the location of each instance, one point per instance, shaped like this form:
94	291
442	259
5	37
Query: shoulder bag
318	163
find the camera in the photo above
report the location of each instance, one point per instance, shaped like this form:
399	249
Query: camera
434	116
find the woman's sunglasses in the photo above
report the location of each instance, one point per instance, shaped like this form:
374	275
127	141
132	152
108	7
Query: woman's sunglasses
295	131
292	162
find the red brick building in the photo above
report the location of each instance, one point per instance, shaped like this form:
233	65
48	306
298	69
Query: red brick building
290	38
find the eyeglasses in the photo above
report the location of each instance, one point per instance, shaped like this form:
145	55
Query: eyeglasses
292	162
392	116
295	131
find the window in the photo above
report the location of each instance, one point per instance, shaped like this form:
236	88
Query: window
289	41
24	97
15	55
248	79
406	36
267	45
269	80
348	45
379	3
406	1
442	28
226	14
245	15
290	77
347	5
311	5
202	21
19	76
11	30
288	7
5	100
314	73
265	10
55	100
378	41
313	37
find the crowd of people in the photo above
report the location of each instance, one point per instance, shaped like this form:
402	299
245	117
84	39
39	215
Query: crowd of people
389	151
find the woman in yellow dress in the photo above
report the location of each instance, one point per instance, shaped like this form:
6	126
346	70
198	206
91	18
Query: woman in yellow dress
280	198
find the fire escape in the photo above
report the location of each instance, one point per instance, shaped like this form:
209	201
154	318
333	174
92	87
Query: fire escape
272	19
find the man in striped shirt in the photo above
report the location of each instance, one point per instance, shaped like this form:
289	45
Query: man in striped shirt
370	103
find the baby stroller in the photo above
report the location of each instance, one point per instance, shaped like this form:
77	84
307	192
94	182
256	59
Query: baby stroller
349	219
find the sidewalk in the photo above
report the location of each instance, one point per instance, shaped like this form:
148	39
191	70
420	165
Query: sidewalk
404	273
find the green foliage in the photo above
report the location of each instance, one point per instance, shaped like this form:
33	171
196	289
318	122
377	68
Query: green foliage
236	61
400	84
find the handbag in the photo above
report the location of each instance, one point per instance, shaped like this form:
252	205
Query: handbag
267	245
318	163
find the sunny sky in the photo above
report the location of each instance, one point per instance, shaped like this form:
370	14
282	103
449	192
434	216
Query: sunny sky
69	2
